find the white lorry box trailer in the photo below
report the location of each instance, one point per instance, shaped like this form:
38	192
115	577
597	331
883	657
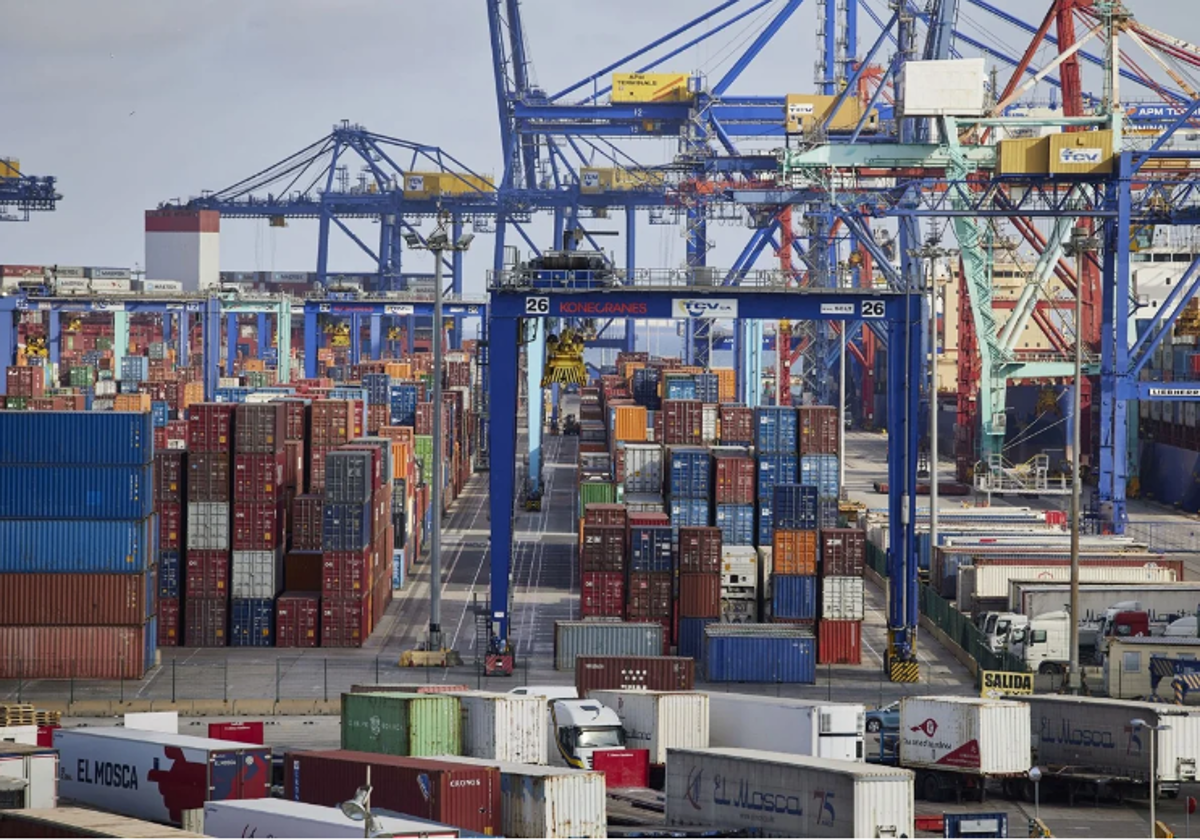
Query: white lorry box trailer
280	818
659	720
504	727
1159	599
31	775
782	795
537	801
156	776
971	735
785	724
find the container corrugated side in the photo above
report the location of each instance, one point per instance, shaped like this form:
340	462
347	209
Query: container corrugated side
74	545
396	723
759	653
604	638
656	673
966	735
75	599
81	822
65	652
503	727
657	721
72	492
787	724
811	797
83	438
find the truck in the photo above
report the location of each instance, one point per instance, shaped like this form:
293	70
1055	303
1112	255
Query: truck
957	745
659	720
279	818
1043	642
1088	745
787	724
1035	597
580	728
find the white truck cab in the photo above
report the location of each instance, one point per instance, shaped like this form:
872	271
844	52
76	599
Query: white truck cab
579	728
998	626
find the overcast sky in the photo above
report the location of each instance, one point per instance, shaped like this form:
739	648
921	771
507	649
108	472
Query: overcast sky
132	102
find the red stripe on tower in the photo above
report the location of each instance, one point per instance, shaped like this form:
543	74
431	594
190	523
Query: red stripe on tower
183	221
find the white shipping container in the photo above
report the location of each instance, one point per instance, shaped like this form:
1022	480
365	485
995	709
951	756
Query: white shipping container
643	468
786	724
992	581
278	818
949	88
256	574
71	286
109	273
659	720
106	388
156	775
740	560
503	727
843	599
37	767
72	271
19	735
775	794
966	735
547	801
708	423
165	286
208	526
111	286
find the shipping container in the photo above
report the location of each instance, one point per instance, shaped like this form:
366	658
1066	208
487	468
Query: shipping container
603	514
503	727
656	673
308	512
773	469
794	507
771	653
345	621
258	478
687	513
843	598
573	639
969	735
157	775
208	526
650	549
659	720
794	552
818	432
786	724
79	438
733	480
699	595
649	596
794	597
298	620
843	552
278	818
82	822
603	548
602	594
811	797
346	527
737	425
683	422
821	471
639	468
34	766
252	622
206	574
775	429
33	599
736	523
596	492
467	796
206	622
699	549
350	476
690	638
396	723
210	477
261	427
170	473
97	492
257	526
210	427
689	471
839	642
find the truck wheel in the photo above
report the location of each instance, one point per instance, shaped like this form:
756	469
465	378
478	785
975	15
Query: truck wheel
874	725
1048	668
1170	794
931	791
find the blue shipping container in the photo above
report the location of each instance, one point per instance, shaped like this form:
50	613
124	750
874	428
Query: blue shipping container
796	507
398	569
160	413
346	527
650	548
690	472
766	523
776	429
150	643
377	385
822	472
135	368
772	657
232	395
687	512
794	597
168	574
97	492
76	437
349	476
736	523
691	636
708	387
680	388
828	514
252	622
57	545
775	469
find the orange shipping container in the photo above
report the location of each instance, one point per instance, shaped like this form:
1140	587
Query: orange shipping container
794	552
132	402
631	423
726	384
193	392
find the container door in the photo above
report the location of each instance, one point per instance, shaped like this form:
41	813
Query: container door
239	774
43	781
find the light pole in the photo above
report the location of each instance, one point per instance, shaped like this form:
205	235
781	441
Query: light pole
438	242
359	808
1139	723
1079	245
1035	776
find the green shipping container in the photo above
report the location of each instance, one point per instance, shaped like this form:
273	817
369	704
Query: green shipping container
423	449
82	377
103	343
596	493
395	723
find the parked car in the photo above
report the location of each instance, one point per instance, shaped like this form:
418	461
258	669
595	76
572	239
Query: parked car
884	719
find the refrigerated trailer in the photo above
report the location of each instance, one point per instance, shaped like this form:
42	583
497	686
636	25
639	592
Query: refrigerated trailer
787	724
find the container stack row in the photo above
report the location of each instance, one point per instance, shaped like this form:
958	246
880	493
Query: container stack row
77	545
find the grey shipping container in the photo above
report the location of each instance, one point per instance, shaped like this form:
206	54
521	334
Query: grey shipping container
208	526
604	638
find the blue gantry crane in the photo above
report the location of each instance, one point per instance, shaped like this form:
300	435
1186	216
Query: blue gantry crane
22	194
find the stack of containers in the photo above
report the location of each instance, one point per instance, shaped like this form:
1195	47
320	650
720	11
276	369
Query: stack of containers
602	561
775	437
733	492
790	586
699	587
818	438
843	604
347	533
211	429
258	522
170	490
651	584
77	545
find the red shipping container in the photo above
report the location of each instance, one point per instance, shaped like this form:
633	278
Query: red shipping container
45	735
843	552
646	518
295	419
734	480
700	549
57	653
170	525
302	571
737	425
160	439
603	548
818	430
169	617
209	477
307	517
170	471
334	422
650	596
26	381
377	417
683	422
177	430
32	599
839	642
605	514
700	595
257	526
623	768
242	733
345	574
298	620
206	622
207	575
210	427
258	478
316	468
345	622
463	795
261	427
652	673
293	466
602	593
